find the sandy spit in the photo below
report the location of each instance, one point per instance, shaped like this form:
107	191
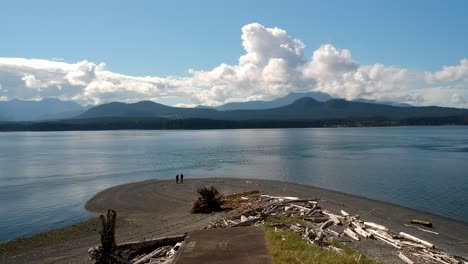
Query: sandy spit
156	208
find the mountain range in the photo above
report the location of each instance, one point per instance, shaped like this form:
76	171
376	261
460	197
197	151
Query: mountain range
55	109
288	99
305	108
46	109
294	106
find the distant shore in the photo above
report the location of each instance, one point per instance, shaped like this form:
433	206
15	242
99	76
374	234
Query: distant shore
157	123
155	208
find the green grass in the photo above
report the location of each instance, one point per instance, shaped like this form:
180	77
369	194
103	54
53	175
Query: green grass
289	247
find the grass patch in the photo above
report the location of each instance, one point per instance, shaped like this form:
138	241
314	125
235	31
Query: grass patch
289	247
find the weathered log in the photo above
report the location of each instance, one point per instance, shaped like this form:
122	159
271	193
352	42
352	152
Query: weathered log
337	220
302	208
385	238
421	222
326	224
156	253
376	226
412	244
415	239
405	258
152	243
351	234
344	213
422	229
333	232
362	232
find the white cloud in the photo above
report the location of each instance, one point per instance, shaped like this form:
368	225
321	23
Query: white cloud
273	65
450	73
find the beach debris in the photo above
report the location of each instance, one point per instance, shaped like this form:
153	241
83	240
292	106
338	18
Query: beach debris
405	258
152	251
422	229
421	222
376	226
417	240
209	200
320	227
344	213
351	234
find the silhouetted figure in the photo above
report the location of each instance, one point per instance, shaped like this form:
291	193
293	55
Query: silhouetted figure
181	178
177	179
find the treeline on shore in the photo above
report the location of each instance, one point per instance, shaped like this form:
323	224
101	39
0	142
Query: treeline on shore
197	123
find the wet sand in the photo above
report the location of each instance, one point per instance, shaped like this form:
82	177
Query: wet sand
157	208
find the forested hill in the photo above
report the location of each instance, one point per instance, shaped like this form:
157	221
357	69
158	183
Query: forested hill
305	112
302	109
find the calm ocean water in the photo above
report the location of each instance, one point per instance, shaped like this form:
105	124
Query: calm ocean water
45	178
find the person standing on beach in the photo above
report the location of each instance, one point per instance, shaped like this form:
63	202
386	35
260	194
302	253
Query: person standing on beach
177	179
181	178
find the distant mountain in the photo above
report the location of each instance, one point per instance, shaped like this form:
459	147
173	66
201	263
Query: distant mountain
147	109
288	99
310	109
397	104
48	108
302	109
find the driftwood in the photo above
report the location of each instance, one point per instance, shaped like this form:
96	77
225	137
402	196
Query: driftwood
320	227
415	239
362	232
421	222
376	226
422	229
344	213
156	253
351	234
405	258
326	224
151	243
335	218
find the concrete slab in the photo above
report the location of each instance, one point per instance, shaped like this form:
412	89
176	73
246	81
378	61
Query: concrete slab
246	245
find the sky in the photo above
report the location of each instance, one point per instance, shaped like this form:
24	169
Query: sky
188	53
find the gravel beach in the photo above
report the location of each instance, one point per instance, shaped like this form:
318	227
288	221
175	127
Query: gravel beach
156	208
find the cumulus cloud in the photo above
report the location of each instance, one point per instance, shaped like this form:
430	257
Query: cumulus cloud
450	73
273	65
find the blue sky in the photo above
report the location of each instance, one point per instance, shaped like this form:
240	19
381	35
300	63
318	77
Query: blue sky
167	38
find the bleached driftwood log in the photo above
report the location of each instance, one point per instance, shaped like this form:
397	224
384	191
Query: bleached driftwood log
344	213
415	239
376	226
351	234
156	253
362	232
405	258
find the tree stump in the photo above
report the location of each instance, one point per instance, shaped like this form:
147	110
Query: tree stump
108	237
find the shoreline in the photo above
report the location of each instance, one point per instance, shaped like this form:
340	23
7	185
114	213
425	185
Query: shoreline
155	208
